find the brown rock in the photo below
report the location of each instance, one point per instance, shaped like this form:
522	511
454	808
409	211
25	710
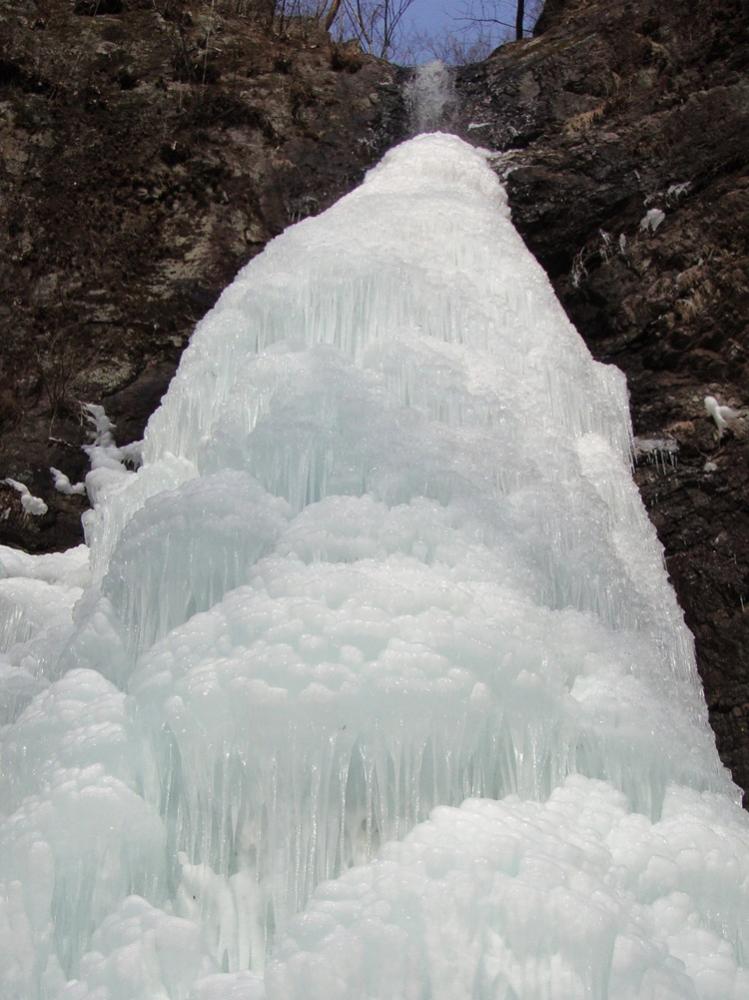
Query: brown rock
149	151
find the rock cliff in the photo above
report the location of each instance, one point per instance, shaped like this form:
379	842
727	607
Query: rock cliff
149	149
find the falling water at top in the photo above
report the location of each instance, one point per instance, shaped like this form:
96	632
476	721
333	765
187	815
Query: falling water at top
431	98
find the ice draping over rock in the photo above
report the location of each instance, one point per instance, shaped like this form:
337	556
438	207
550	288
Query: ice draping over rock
383	555
31	505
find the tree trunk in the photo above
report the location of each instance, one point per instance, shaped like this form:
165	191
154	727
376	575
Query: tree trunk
332	14
519	18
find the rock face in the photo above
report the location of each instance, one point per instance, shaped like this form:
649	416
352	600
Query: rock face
150	148
626	132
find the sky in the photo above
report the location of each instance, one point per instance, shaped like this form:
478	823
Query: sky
437	16
432	15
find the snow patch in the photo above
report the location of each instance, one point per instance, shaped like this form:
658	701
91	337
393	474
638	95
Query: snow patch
33	506
652	219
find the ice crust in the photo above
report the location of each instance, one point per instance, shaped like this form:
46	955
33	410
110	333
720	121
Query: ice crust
384	556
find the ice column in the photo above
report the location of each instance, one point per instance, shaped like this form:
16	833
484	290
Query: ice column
384	556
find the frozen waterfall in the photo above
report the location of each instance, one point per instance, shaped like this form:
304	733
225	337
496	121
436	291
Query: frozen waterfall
369	684
431	98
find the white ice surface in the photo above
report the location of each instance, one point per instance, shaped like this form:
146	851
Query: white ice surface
384	555
63	485
652	219
577	897
31	505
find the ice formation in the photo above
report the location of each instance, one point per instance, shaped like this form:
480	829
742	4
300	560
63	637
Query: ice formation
63	485
430	96
663	452
370	683
652	219
30	504
723	416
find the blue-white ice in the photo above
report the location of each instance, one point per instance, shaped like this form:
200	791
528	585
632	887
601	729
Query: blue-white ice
373	686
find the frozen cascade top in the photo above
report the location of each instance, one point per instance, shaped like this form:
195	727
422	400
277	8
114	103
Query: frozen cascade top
384	554
431	98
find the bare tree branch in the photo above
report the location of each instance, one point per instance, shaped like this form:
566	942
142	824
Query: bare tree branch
332	14
375	24
499	14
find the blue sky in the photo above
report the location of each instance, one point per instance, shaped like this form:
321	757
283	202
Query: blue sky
432	15
436	16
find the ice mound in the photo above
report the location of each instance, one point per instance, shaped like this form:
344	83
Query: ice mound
37	597
384	555
576	897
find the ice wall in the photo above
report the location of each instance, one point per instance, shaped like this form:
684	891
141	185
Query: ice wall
384	554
